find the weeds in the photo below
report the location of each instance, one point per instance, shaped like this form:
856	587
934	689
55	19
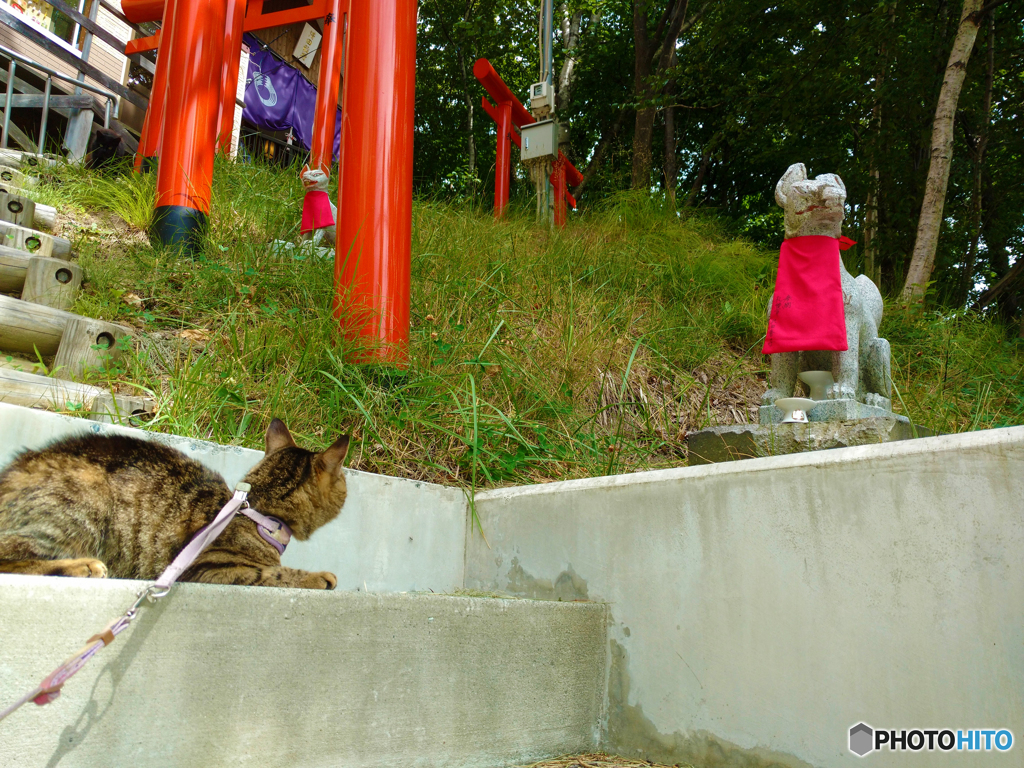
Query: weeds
535	355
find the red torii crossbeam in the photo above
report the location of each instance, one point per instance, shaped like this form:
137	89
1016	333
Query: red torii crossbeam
507	113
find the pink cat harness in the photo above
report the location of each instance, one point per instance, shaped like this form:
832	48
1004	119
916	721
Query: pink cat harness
274	531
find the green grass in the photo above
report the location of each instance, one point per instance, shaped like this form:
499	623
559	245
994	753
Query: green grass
535	355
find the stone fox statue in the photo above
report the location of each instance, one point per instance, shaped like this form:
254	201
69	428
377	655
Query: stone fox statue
319	214
113	505
814	208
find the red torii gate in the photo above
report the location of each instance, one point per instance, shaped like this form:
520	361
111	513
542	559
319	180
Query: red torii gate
510	112
193	104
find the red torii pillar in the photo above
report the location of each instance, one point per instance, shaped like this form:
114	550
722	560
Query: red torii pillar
229	74
374	242
325	117
193	54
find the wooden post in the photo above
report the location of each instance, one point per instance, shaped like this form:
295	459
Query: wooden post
45	217
17	210
34	390
17	179
61	247
24	239
13	266
120	409
51	282
87	344
26	327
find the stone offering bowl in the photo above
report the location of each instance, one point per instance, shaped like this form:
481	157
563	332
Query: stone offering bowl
818	381
795	409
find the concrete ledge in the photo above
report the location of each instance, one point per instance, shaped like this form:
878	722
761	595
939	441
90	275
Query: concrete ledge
761	608
233	676
392	535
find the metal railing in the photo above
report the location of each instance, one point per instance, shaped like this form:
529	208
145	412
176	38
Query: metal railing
111	98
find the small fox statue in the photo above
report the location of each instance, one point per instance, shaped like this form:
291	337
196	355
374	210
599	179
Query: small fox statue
319	215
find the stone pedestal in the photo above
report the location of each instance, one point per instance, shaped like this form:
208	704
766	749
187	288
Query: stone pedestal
833	410
748	441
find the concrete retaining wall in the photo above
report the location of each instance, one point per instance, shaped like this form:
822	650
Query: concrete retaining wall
393	535
758	610
290	678
762	608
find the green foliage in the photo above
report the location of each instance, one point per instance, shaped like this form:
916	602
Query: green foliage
129	196
535	354
848	88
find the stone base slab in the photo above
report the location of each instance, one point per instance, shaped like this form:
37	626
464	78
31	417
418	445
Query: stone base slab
832	410
749	441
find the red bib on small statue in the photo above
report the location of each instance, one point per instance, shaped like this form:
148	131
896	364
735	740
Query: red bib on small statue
807	306
316	212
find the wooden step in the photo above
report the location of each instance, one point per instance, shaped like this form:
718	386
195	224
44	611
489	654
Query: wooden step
20	387
15	178
52	282
15	209
76	343
25	239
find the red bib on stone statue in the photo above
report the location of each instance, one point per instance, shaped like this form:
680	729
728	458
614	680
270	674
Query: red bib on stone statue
807	306
316	212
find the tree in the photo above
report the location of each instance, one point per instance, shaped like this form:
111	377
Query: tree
653	54
930	221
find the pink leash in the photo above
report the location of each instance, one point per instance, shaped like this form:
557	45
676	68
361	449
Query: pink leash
277	534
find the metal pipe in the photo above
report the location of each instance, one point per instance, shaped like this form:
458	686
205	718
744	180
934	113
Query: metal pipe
7	103
549	7
106	114
86	44
46	114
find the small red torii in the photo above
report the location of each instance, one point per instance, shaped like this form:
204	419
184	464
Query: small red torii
510	112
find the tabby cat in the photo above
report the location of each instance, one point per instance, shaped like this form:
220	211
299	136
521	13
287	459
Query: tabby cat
102	505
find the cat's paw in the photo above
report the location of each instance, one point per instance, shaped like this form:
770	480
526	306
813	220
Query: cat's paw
321	580
86	568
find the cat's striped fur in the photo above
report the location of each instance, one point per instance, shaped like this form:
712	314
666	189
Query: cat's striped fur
119	506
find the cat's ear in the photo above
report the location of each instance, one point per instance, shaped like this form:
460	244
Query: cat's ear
334	457
278	437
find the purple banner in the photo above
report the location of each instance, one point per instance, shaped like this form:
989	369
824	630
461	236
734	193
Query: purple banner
277	97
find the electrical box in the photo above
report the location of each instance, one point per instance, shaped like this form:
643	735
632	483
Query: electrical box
540	141
542	99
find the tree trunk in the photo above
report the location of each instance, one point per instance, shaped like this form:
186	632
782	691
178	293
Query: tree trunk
652	61
468	98
872	260
923	260
670	142
705	160
980	145
643	128
670	156
602	149
570	39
